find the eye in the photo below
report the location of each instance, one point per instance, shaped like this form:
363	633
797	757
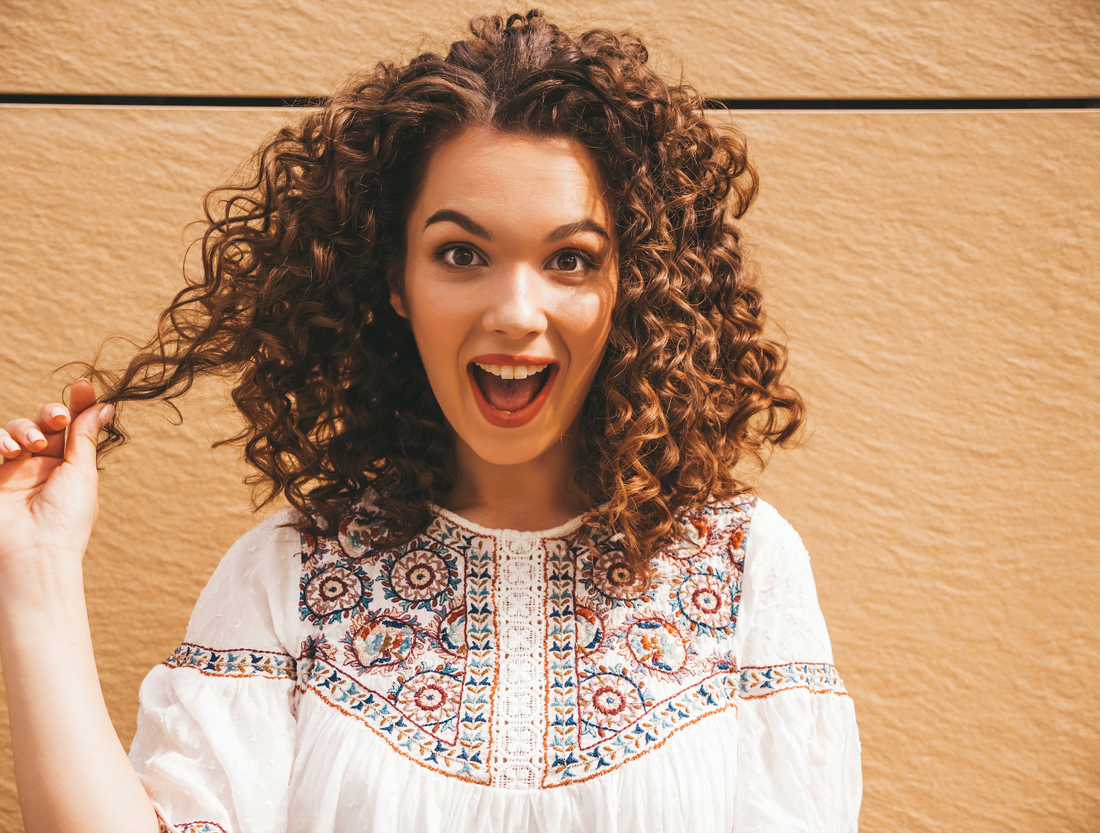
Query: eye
570	262
461	256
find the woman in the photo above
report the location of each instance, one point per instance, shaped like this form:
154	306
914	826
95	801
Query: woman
493	341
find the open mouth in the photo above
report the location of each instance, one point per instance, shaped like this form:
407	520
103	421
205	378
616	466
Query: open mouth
511	394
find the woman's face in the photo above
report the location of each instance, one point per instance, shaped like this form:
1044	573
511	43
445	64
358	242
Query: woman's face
509	285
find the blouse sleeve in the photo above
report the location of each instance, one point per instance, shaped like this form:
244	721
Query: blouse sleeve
215	728
798	747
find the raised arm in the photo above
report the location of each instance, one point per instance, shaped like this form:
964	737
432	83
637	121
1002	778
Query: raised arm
71	770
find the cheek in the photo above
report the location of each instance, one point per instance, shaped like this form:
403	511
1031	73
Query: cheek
440	322
434	331
586	323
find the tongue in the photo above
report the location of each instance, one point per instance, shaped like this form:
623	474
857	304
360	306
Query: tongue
508	394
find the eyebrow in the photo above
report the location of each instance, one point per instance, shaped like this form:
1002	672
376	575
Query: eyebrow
568	230
447	215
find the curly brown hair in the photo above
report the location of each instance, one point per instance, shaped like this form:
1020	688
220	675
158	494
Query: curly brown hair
293	302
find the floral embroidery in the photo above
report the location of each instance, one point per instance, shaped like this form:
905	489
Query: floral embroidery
405	643
357	534
609	577
590	631
233	663
715	530
658	647
736	541
418	666
451	634
431	698
188	826
818	678
420	578
599	716
383	641
695	534
610	701
707	601
330	592
722	661
317	646
649	680
310	553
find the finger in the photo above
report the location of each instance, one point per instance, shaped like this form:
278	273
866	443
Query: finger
81	397
27	434
80	447
51	421
9	448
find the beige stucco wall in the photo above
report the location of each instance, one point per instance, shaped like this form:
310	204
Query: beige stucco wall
730	48
937	273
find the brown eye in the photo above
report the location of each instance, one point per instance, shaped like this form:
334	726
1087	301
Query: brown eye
461	256
569	262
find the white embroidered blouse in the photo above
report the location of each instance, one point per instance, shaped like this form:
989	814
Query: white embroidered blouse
493	680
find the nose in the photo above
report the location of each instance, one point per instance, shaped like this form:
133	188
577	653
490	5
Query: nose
515	306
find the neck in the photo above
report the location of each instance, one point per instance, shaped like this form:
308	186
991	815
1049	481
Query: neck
537	494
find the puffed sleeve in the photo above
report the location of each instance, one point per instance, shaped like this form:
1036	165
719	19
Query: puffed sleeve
216	727
798	745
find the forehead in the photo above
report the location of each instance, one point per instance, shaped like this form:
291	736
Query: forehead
509	175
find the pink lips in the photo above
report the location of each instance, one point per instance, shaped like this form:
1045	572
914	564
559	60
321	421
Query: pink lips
511	419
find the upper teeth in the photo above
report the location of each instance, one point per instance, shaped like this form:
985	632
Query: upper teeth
509	371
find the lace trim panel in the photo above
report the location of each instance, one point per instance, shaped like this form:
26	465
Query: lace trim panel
518	724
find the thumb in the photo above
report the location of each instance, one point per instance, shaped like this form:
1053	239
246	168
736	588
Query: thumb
80	445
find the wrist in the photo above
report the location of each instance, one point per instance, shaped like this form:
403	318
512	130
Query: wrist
35	563
41	584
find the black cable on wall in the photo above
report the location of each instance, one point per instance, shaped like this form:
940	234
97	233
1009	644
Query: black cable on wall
59	100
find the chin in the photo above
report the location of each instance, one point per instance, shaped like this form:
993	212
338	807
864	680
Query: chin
499	451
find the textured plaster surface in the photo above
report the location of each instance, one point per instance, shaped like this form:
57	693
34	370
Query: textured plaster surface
939	278
728	48
938	275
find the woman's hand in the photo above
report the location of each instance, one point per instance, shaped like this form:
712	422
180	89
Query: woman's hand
70	769
48	486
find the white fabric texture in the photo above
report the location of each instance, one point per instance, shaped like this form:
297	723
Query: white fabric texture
493	680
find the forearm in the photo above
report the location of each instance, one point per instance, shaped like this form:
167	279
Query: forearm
71	770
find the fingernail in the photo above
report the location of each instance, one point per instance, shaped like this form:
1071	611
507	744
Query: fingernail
54	413
10	446
33	438
107	412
